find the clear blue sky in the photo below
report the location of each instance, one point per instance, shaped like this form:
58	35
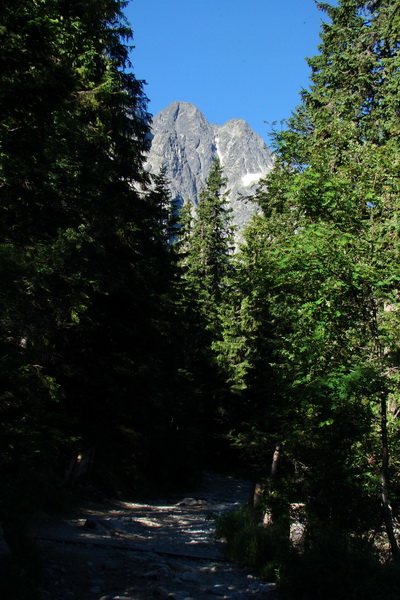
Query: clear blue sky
231	58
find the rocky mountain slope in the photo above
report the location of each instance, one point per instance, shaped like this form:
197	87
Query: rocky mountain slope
187	144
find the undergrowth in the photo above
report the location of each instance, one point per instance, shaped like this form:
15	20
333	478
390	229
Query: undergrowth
261	548
329	566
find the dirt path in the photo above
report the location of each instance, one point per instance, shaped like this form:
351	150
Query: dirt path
114	550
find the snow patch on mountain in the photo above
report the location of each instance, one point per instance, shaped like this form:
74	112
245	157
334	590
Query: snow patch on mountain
251	178
217	150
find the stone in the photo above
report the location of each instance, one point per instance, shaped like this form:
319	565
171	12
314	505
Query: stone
193	502
192	577
181	568
217	590
187	502
113	524
212	569
151	575
179	595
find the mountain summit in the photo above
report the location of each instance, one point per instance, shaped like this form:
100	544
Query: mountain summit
187	144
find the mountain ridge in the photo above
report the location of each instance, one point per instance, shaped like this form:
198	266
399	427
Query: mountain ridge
186	143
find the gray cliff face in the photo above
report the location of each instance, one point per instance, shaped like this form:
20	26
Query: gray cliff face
187	144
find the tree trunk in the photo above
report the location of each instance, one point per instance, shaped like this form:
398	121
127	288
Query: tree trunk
387	513
261	512
275	464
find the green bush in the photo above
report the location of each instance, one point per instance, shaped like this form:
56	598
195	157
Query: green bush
338	567
330	566
249	543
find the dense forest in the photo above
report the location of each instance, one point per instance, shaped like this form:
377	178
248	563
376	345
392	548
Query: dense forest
138	333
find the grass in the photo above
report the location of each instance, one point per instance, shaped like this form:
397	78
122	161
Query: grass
248	543
330	566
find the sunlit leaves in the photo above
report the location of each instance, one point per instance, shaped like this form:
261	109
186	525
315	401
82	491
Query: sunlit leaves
323	260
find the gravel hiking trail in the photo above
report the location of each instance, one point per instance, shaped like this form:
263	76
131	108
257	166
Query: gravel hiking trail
116	550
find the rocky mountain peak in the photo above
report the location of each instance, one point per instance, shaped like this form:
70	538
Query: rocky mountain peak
187	144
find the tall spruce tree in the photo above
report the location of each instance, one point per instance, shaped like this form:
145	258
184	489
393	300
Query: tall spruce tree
211	244
205	247
81	247
328	271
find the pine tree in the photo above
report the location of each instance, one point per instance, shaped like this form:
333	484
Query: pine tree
211	243
328	270
204	246
83	240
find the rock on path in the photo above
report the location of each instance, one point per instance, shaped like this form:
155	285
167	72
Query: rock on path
117	550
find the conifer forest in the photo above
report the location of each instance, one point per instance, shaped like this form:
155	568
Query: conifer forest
136	330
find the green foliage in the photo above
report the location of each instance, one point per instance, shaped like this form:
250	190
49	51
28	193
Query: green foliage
327	565
88	313
208	250
204	247
122	331
338	568
260	548
312	342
